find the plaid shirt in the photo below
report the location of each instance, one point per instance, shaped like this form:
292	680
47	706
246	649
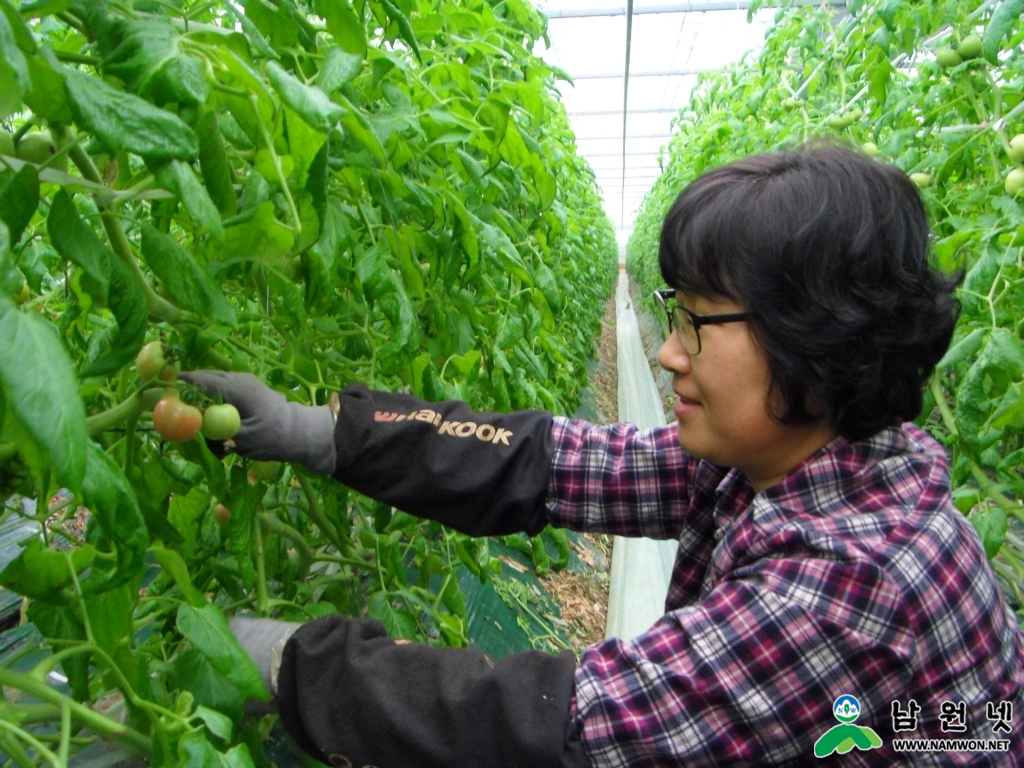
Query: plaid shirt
854	575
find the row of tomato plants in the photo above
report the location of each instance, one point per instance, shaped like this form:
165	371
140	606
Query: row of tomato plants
936	89
384	191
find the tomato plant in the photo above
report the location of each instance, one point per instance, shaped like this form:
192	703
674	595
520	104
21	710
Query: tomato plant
937	90
314	191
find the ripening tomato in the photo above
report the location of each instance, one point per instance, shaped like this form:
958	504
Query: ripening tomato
221	422
222	515
175	420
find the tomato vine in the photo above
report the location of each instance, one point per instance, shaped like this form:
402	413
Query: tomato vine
315	192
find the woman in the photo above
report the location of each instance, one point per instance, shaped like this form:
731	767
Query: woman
820	562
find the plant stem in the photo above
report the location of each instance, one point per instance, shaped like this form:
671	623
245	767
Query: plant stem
159	307
102	725
317	515
262	606
129	409
304	555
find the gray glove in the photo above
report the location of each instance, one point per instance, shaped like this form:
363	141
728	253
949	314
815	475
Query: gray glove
264	641
273	429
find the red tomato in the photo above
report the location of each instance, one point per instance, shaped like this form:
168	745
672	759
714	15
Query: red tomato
175	420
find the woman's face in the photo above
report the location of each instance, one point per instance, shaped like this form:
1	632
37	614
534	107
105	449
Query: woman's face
722	400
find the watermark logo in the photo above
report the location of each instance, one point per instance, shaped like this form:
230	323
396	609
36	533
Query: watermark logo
844	737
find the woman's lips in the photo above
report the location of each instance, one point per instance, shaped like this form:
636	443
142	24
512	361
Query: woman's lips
685	406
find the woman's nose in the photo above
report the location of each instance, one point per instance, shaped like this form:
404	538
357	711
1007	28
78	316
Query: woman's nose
672	357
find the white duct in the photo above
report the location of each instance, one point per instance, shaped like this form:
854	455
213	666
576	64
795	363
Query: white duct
641	568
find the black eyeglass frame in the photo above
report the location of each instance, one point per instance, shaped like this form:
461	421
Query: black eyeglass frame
664	295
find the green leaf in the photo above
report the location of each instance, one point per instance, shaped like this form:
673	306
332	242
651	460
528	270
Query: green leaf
48	98
150	62
999	26
355	123
42	574
398	624
337	69
963	349
116	516
194	674
179	178
991	527
344	25
208	631
123	121
213	160
131	310
502	246
1010	411
264	238
19	29
62	624
194	751
19	200
77	242
14	72
41	389
219	725
175	565
309	102
404	27
188	283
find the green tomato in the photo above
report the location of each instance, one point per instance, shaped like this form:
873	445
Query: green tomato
1014	181
1016	151
264	470
7	143
922	180
870	149
970	47
23	295
221	422
947	57
36	147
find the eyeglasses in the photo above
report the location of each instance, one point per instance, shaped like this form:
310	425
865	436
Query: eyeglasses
688	323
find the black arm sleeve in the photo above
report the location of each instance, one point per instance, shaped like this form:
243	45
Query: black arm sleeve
351	696
481	473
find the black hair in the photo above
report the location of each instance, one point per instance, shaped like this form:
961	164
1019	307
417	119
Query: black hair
827	250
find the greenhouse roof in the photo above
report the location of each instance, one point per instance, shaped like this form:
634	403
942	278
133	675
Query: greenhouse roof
670	44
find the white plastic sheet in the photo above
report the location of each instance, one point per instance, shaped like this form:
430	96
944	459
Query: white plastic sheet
641	568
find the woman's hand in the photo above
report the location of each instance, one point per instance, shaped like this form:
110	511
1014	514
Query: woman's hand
273	428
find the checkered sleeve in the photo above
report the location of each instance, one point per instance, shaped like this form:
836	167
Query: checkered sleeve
747	676
619	479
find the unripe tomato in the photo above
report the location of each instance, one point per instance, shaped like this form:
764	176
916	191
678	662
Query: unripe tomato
150	363
1016	151
947	57
36	147
175	420
970	46
6	143
222	515
23	295
870	149
922	180
1014	182
221	422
